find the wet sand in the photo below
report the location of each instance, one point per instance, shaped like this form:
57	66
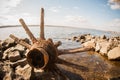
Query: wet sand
89	66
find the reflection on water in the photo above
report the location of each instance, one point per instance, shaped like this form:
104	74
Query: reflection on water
99	68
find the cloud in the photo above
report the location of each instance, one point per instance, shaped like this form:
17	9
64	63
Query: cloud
55	9
113	25
75	7
114	4
14	19
7	5
71	18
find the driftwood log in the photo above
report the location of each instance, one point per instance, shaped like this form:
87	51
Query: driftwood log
43	54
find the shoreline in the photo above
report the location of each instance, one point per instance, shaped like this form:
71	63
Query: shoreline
8	26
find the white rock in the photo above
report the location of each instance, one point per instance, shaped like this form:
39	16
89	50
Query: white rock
114	53
89	44
25	71
105	47
14	56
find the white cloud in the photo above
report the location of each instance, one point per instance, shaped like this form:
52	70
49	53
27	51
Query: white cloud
55	9
71	18
75	7
113	25
114	4
7	5
14	19
76	21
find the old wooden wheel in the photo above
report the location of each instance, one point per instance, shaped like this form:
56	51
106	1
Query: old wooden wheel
43	54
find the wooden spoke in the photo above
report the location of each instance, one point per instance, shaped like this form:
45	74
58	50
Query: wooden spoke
75	50
57	44
28	31
23	43
42	25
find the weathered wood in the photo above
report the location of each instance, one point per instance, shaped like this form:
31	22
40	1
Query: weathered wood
42	25
28	31
42	54
75	50
19	41
57	44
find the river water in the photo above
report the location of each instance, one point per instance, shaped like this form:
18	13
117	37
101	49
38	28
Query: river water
86	65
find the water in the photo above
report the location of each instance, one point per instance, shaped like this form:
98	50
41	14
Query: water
56	33
90	65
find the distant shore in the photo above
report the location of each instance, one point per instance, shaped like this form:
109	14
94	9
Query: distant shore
8	26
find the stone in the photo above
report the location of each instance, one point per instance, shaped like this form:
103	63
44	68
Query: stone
74	38
89	44
77	40
19	48
97	47
9	73
82	40
1	55
88	37
114	78
14	56
8	43
114	54
105	47
103	37
24	72
26	40
21	62
6	52
82	37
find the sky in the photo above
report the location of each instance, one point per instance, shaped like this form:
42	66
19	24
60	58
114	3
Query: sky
93	14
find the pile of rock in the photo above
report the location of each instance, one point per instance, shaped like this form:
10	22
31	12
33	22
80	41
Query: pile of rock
13	64
109	47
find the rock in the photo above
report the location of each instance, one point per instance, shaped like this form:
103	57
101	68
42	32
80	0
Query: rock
26	40
19	48
24	72
82	40
88	37
1	55
0	45
97	47
89	44
8	72
14	56
22	62
114	78
82	37
114	54
2	73
6	52
105	47
77	40
118	45
113	42
8	43
103	37
74	38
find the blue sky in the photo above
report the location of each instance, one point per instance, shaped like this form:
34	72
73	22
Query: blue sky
95	14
